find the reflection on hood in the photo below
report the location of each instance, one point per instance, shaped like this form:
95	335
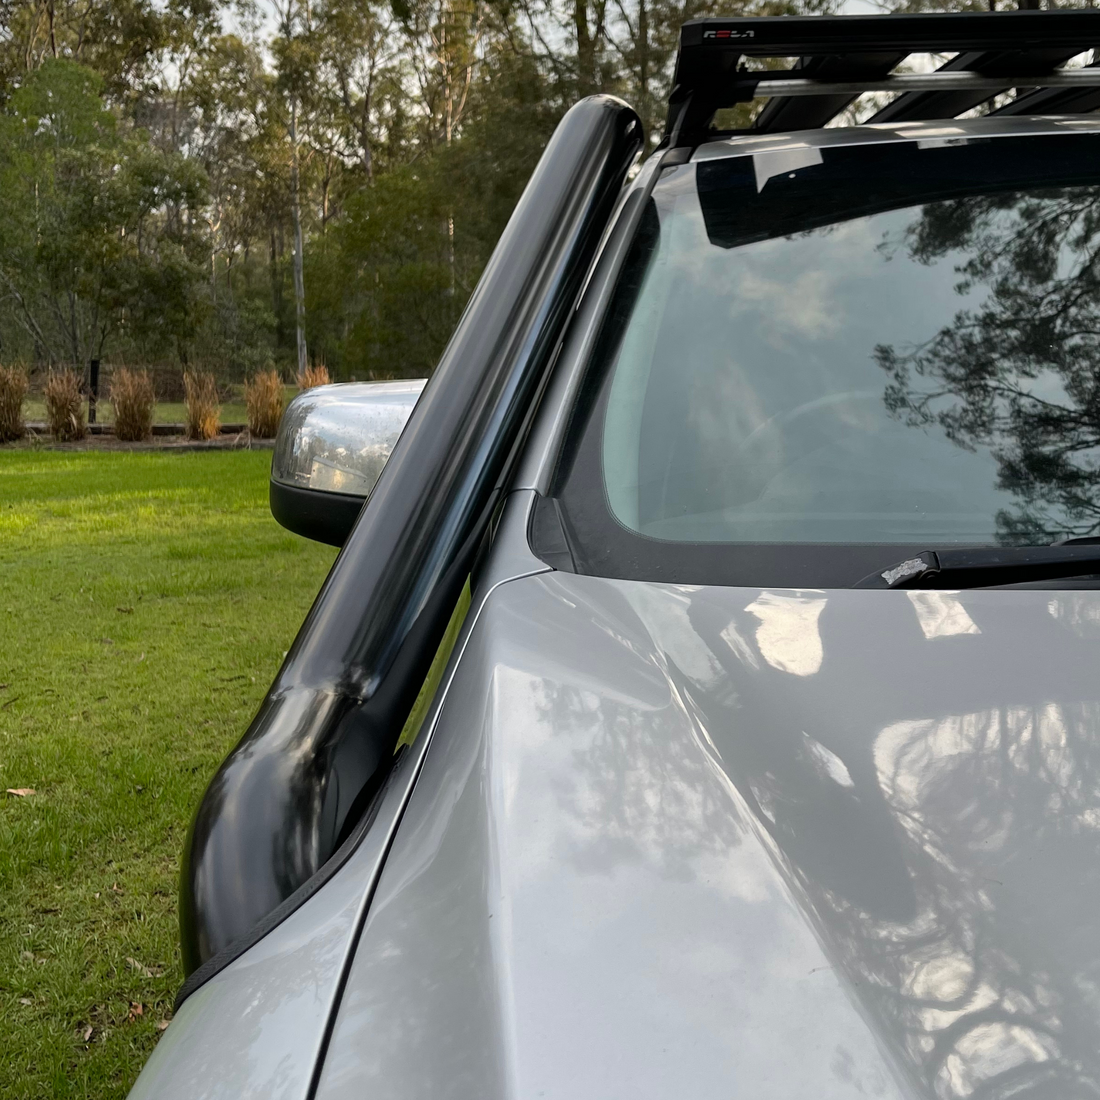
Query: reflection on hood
927	772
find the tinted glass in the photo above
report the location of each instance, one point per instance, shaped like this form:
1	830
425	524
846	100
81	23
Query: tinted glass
892	345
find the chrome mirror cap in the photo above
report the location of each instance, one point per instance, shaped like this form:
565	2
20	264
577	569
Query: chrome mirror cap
332	445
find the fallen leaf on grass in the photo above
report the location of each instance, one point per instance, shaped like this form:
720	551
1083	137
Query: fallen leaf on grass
20	792
26	1000
87	1033
162	1024
116	888
149	972
125	610
136	1009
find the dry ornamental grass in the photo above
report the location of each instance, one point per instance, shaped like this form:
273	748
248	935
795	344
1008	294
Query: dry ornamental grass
314	376
263	396
64	405
134	401
201	397
13	388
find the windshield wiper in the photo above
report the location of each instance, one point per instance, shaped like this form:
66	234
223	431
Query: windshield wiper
989	566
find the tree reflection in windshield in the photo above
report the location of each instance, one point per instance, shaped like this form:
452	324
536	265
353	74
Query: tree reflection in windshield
1019	374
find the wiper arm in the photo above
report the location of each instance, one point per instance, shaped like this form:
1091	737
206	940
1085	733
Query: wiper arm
986	566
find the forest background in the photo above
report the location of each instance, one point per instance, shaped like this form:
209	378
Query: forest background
230	184
223	184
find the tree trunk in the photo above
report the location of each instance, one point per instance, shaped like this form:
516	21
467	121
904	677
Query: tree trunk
364	140
326	184
296	206
585	47
277	289
448	137
74	333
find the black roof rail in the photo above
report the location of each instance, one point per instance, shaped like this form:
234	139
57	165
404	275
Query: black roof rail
841	56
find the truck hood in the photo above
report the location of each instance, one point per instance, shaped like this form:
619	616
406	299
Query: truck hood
696	842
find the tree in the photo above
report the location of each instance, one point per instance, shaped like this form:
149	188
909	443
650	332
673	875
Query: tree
95	227
331	183
1018	373
358	57
296	64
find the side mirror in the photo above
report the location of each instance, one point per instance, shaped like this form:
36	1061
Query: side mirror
332	444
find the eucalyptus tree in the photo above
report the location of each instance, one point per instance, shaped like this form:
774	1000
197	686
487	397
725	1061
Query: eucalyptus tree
359	43
97	234
295	53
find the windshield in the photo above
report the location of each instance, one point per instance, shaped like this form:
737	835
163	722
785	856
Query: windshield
895	346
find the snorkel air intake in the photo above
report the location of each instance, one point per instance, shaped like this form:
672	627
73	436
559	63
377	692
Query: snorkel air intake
324	737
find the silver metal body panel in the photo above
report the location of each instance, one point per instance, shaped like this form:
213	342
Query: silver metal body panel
704	842
707	842
257	1028
254	1030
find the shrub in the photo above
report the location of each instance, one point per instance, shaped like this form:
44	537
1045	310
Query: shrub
264	397
201	395
13	388
134	401
314	376
64	405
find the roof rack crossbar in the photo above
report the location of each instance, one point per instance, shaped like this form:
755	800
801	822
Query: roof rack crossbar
782	113
841	57
1052	101
926	82
914	106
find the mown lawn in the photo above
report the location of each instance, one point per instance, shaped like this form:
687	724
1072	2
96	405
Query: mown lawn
145	603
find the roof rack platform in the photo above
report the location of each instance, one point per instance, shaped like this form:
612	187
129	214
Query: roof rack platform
840	57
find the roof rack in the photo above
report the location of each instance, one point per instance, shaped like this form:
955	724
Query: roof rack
842	56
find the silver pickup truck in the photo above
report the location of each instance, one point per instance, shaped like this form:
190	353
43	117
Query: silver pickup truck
705	702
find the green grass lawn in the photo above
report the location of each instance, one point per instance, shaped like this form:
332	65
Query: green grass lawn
146	601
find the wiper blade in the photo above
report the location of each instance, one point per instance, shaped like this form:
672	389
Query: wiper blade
987	566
